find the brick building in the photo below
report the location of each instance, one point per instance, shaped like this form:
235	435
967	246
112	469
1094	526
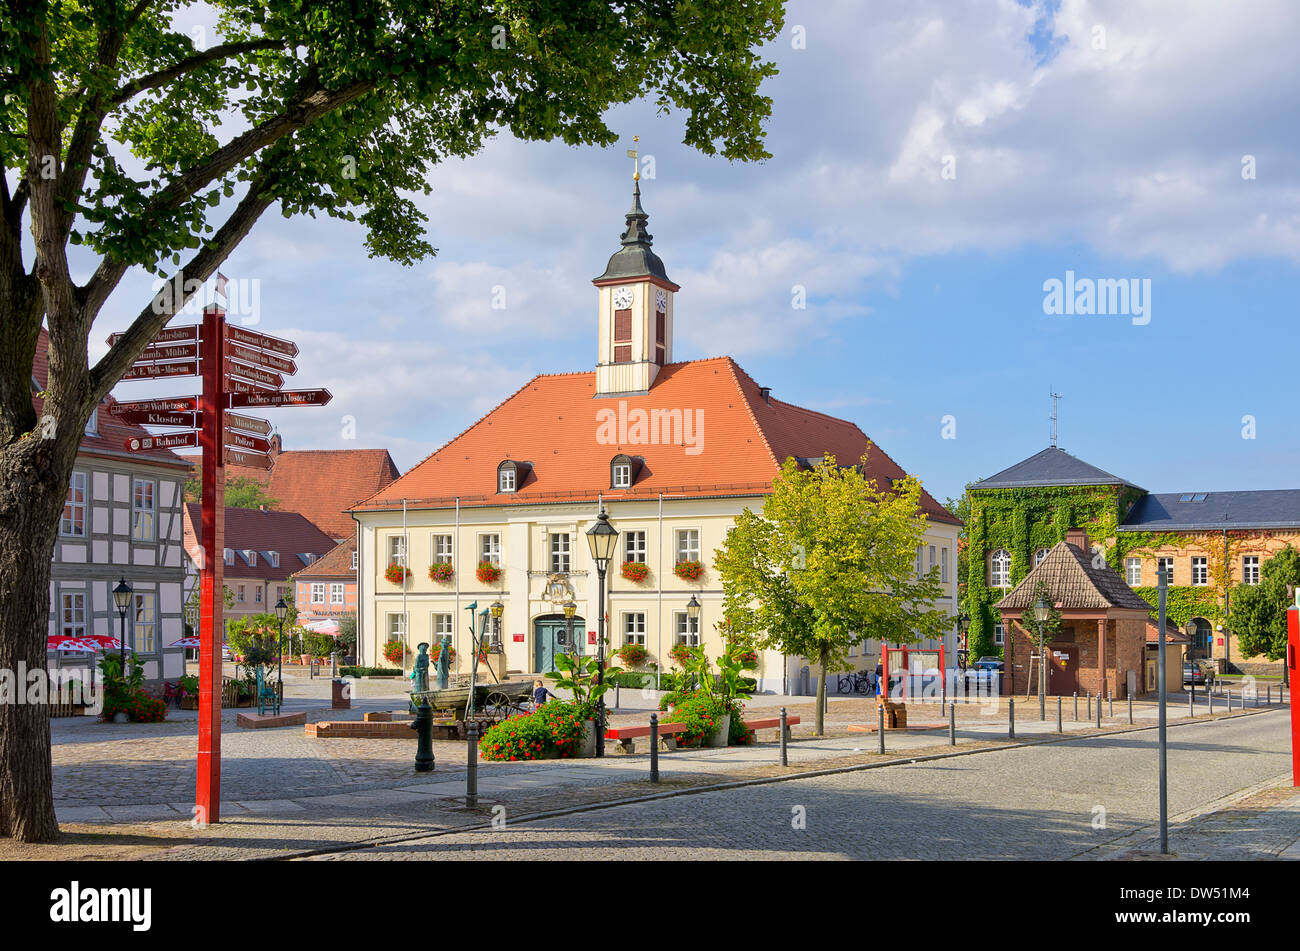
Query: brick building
327	589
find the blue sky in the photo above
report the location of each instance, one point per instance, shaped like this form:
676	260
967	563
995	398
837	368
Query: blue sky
1106	138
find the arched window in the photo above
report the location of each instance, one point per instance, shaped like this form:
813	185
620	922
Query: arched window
507	477
1000	569
1040	555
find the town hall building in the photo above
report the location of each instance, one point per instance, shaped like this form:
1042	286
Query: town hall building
673	450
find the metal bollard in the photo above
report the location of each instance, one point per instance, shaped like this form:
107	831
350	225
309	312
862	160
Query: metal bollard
617	688
654	747
1076	706
1042	706
1130	709
1269	701
1191	701
1209	695
952	726
1011	718
1110	705
785	760
1099	711
1089	704
471	765
423	727
880	710
1058	715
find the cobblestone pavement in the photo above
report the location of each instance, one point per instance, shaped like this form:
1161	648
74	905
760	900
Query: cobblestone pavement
1046	801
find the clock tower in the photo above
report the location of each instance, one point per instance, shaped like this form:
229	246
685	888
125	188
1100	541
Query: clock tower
636	312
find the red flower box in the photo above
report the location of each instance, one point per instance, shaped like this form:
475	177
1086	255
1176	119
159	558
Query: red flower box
688	570
635	570
441	572
397	574
487	573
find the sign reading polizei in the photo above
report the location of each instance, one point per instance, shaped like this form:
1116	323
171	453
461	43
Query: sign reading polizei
167	334
249	423
256	374
318	397
261	358
179	404
169	441
156	371
262	341
237	440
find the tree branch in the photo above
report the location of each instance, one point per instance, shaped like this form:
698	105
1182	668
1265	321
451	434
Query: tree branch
189	65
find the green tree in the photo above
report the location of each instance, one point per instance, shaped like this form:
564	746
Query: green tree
240	493
151	151
1257	612
829	561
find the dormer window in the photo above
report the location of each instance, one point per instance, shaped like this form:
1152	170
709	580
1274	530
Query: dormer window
250	556
506	480
274	558
623	471
511	475
228	556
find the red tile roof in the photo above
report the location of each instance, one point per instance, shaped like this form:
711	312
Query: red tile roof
261	530
112	432
553	421
336	564
321	484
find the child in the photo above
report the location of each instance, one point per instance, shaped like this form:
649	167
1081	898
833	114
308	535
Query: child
540	693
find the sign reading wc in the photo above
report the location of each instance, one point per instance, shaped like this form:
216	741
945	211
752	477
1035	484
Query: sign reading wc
1101	297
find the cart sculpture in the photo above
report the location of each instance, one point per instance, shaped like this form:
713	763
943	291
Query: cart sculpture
492	702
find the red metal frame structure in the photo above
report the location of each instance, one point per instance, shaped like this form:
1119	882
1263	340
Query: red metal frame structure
207	797
907	670
1292	660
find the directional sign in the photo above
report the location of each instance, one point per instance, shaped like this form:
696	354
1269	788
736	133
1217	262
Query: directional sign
251	459
261	358
282	398
147	418
169	351
234	384
143	443
156	371
237	440
252	339
256	374
179	404
250	423
167	334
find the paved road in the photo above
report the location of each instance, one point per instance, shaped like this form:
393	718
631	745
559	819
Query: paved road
1055	801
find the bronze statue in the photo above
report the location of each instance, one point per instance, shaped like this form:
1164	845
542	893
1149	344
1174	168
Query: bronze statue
420	670
444	662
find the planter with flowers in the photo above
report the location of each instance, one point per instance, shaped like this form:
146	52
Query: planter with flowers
632	655
635	571
394	652
679	655
487	572
442	572
689	570
437	649
397	573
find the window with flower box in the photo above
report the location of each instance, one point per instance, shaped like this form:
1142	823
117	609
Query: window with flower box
634	546
442	549
687	629
634	628
489	548
397	550
688	544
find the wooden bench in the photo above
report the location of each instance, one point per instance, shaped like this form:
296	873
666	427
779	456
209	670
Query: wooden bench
624	735
774	723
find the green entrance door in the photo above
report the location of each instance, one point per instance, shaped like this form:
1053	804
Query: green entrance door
551	637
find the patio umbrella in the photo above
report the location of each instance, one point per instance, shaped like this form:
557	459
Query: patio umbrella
191	641
324	626
64	642
103	642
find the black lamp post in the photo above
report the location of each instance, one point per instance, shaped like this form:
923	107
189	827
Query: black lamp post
281	612
693	616
122	598
963	651
602	538
1043	610
497	609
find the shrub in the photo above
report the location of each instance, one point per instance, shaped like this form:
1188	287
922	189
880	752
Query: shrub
369	672
189	685
146	709
441	572
635	570
556	727
700	712
688	570
487	572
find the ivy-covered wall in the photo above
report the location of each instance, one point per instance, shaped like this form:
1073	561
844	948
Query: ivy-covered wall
1023	520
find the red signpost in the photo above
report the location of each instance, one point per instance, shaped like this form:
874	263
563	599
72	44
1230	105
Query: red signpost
254	382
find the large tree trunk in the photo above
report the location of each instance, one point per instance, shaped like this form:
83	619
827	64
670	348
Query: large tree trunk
34	474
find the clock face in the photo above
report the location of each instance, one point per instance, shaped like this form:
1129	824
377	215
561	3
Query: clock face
623	298
661	301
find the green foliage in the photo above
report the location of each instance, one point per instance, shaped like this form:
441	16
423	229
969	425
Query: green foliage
125	693
1258	612
254	632
347	636
701	712
317	645
351	671
1184	602
828	562
189	685
240	493
556	727
578	675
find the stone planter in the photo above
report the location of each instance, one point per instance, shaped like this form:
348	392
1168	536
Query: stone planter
719	737
189	703
587	748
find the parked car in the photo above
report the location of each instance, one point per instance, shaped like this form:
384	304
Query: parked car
1197	676
988	663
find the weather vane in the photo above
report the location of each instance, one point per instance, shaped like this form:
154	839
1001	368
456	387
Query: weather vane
632	154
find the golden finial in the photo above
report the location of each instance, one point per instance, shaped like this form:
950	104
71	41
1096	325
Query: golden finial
632	154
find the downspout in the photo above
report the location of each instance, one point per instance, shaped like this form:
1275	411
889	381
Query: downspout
659	597
1227	586
406	564
455	560
360	591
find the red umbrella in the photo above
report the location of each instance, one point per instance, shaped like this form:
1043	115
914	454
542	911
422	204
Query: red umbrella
65	642
191	641
102	642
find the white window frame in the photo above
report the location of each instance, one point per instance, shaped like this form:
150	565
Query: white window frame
687	544
559	549
275	558
441	544
933	557
634	627
506	480
69	523
1200	571
144	510
634	546
441	624
354	561
239	594
1000	569
1133	572
72	619
489	547
1168	564
686	630
622	475
337	592
999	636
397	550
1250	569
228	556
144	625
257	594
318	592
396	632
1039	555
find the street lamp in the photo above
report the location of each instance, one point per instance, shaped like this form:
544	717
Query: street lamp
281	612
122	598
963	651
693	614
1042	611
602	539
497	609
570	609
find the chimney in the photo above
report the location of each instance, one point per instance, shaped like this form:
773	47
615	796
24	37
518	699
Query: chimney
1078	538
765	392
275	447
